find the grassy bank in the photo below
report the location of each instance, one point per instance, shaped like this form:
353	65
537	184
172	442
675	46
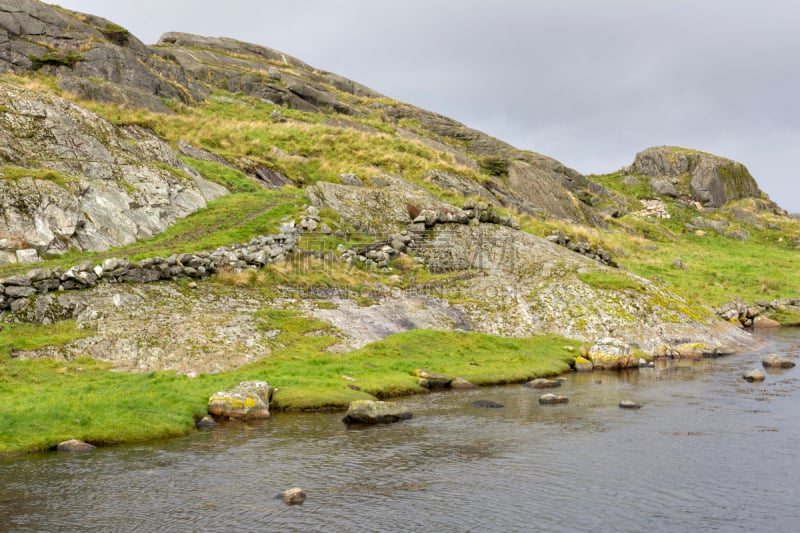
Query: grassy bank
43	402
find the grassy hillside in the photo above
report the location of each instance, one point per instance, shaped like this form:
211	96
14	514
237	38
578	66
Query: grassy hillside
83	399
308	147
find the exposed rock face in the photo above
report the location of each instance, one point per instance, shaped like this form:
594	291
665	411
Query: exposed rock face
375	412
714	180
73	180
38	36
248	400
99	60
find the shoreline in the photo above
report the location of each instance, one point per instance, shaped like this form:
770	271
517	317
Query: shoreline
502	375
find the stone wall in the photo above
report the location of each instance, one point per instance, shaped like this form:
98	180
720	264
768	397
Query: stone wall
15	291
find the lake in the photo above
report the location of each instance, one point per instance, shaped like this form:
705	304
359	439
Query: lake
707	451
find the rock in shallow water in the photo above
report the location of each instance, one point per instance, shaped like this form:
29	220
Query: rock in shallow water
776	361
375	412
461	383
551	399
249	399
294	496
629	404
754	375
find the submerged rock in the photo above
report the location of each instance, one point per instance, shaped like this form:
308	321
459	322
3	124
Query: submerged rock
375	412
487	404
248	400
541	383
776	361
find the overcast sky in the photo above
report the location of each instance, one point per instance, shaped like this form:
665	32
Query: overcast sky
585	81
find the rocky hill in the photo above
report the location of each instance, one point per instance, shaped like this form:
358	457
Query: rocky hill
403	218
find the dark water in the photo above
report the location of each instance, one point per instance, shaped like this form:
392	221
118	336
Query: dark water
707	451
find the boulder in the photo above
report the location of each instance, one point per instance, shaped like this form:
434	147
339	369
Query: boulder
552	399
206	422
375	412
754	375
74	445
541	383
663	187
461	383
248	400
612	354
714	181
629	404
776	361
583	365
764	322
432	380
294	496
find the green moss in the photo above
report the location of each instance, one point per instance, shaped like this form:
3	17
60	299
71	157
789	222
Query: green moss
114	33
11	172
494	166
66	58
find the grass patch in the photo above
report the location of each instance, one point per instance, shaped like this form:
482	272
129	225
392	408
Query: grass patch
11	172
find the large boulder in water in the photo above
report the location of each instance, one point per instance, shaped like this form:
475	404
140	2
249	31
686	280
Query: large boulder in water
248	400
375	412
612	354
